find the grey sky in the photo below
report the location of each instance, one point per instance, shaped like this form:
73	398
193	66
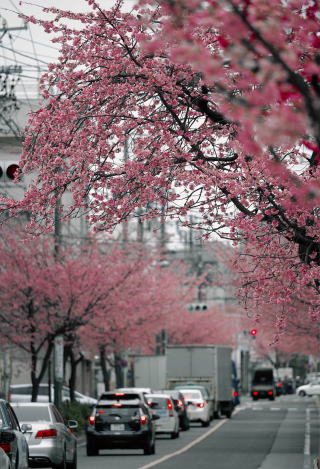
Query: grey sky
31	48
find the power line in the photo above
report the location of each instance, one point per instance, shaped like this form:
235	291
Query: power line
24	55
36	42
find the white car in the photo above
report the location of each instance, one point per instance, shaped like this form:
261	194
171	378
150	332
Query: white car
162	405
309	389
198	409
51	442
4	460
22	393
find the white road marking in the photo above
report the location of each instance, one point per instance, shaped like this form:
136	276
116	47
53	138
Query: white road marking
307	441
189	445
275	408
307	434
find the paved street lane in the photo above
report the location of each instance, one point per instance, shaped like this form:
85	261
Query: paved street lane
283	434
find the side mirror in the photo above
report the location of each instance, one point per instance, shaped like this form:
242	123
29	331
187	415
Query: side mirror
26	427
6	436
155	417
72	424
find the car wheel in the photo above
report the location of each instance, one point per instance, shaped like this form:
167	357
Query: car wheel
302	393
228	414
185	424
62	465
92	450
206	423
175	435
73	464
149	448
217	413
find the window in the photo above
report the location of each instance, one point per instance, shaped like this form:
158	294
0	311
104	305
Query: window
32	413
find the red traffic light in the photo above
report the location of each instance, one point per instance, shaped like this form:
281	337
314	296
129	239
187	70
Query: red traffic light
11	170
253	332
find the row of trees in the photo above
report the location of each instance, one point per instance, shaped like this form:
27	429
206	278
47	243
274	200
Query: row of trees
104	298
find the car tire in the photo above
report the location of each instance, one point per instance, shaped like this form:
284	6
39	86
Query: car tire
73	464
149	448
185	424
302	393
175	435
228	414
217	413
206	423
92	450
62	465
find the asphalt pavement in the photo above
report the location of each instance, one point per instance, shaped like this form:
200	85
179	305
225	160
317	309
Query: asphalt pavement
280	434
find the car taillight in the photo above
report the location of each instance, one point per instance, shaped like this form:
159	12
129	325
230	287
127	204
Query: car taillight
201	405
49	433
91	419
143	419
270	393
255	393
235	394
6	447
116	405
101	412
170	408
180	403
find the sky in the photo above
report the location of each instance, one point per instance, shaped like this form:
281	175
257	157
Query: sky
31	48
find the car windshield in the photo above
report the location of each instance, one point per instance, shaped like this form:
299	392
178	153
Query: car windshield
190	394
32	413
159	402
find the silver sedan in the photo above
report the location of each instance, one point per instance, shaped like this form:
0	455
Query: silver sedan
51	442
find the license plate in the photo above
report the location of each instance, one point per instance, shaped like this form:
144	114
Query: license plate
117	427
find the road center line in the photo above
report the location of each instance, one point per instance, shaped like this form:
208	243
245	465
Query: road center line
188	446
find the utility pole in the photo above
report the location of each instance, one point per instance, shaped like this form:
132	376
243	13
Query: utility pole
58	343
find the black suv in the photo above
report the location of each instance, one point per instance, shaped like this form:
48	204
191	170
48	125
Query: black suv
121	420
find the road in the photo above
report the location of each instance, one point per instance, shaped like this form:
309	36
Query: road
281	434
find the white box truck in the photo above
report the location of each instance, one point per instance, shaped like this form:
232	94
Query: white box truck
206	365
149	371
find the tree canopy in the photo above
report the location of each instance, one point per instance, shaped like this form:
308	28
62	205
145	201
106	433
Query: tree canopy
210	107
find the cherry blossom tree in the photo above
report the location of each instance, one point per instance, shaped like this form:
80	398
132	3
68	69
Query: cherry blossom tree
219	102
149	299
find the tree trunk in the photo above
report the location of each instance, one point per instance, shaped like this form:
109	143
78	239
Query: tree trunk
118	369
36	380
105	371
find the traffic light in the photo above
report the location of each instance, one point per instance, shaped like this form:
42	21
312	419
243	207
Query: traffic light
8	171
253	332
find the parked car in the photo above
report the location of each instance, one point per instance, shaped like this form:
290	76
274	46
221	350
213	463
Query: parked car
4	460
180	406
199	409
163	407
309	389
51	442
22	393
12	437
205	393
121	420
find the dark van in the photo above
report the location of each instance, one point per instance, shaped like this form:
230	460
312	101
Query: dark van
263	385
